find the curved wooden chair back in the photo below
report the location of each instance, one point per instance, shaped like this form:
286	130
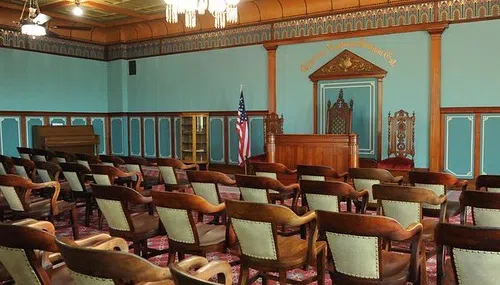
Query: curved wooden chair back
24	167
25	152
111	160
327	195
206	184
64	157
318	173
87	159
75	174
357	250
365	178
485	207
474	252
135	163
168	169
339	116
6	165
257	189
93	266
43	155
490	183
270	169
204	272
401	135
106	175
439	182
48	171
404	203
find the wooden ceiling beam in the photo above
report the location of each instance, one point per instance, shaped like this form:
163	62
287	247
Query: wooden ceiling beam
58	4
115	9
135	21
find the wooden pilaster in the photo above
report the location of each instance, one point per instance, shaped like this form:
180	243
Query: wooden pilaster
271	78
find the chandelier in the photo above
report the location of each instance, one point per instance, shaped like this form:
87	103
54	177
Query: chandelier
224	11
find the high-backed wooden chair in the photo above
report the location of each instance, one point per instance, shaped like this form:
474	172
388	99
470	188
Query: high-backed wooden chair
184	234
339	116
327	195
25	152
358	256
485	208
404	204
365	178
24	167
43	155
401	146
6	165
111	160
87	159
113	201
439	183
63	157
169	171
137	164
206	271
261	248
17	191
490	183
76	175
27	252
474	252
319	173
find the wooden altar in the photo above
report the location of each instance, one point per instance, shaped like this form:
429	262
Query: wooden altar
72	139
338	151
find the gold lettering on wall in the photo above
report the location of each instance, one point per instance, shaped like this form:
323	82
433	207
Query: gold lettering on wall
361	43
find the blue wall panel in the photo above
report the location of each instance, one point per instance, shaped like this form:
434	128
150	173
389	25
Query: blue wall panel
165	136
117	136
30	123
149	137
78	121
135	136
256	135
217	140
233	141
459	145
10	128
490	137
100	130
58	121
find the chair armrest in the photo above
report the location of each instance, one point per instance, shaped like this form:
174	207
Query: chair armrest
132	174
212	209
190	166
302	220
415	230
462	184
111	244
399	179
142	200
53	200
214	268
411	231
365	196
192	263
289	172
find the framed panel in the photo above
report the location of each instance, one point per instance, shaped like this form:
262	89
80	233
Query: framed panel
459	145
233	140
149	136
30	123
217	140
99	124
165	137
256	135
135	136
490	136
58	121
177	130
117	137
10	135
78	121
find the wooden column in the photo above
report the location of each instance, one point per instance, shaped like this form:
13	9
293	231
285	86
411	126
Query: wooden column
315	108
435	98
271	78
380	99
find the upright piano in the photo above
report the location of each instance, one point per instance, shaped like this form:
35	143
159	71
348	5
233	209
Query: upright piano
72	139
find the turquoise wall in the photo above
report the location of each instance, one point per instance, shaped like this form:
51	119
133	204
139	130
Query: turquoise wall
406	85
117	72
41	82
200	81
470	62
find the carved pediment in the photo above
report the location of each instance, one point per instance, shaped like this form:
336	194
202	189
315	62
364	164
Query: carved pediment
347	65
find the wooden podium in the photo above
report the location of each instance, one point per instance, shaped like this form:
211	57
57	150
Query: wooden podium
72	139
338	151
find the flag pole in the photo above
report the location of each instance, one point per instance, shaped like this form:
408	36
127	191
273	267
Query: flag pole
246	158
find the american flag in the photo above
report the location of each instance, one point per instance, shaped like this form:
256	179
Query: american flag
242	130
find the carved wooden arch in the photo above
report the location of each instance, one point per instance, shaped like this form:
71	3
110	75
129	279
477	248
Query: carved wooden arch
348	65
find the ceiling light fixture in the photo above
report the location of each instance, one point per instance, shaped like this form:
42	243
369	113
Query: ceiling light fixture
77	11
33	25
224	11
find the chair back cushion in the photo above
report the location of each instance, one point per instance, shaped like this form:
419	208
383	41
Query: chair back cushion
101	179
12	198
486	217
61	159
44	175
256	238
361	184
266	174
476	266
313	177
25	156
436	188
406	213
114	213
177	224
2	170
168	175
82	279
21	171
320	202
84	163
18	265
254	195
74	181
207	191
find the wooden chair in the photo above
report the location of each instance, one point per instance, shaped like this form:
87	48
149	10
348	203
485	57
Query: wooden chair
108	175
183	276
63	157
24	167
490	183
485	207
327	195
25	152
48	171
6	165
113	201
169	171
184	234
339	116
137	164
87	159
28	251
111	160
261	248
401	146
474	252
319	173
271	169
17	190
76	175
365	178
439	183
358	256
42	155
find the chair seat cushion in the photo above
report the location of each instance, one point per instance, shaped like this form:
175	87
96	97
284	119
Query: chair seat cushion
293	250
61	276
211	234
394	264
397	163
42	208
145	225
